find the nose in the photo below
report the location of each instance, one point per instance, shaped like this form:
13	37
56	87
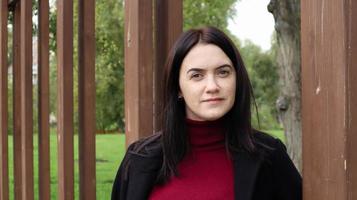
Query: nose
212	85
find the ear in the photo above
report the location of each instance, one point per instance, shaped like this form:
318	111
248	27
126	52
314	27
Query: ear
179	94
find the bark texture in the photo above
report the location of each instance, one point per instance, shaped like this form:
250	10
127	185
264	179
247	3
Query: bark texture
287	25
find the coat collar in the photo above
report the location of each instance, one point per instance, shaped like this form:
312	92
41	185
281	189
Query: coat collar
145	170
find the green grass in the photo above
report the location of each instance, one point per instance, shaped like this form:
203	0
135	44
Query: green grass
109	153
110	150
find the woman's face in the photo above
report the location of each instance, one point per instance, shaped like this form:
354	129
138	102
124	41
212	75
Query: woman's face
207	83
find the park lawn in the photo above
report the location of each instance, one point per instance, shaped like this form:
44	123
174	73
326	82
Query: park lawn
110	149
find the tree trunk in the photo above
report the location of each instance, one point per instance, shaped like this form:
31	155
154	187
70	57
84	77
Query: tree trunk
287	25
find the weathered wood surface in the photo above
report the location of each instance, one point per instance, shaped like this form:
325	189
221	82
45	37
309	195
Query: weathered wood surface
329	96
4	180
86	39
44	102
151	28
26	101
138	69
65	99
16	64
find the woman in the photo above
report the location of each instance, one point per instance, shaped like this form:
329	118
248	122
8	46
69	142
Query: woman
207	148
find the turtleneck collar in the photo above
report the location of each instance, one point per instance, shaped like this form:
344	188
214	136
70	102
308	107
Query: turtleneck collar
206	134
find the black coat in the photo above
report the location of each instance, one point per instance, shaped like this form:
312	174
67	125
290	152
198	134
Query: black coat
269	176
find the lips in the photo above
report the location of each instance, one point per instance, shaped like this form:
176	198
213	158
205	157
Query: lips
213	100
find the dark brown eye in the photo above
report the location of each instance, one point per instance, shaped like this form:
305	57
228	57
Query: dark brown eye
196	76
223	73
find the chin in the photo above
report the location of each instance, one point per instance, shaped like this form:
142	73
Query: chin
212	117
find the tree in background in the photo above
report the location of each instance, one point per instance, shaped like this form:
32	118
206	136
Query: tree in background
110	64
262	70
287	25
207	12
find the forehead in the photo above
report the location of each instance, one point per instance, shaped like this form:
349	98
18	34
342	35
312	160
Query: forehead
205	56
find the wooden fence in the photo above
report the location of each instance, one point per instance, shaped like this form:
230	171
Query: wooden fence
329	99
151	27
23	103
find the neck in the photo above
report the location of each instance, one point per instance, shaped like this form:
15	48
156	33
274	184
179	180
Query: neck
206	133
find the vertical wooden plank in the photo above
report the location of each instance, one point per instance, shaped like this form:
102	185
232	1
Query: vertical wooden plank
329	90
351	101
4	178
26	101
65	99
138	69
16	64
168	26
86	39
43	103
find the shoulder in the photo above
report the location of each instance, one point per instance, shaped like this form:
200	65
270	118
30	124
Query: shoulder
141	155
260	136
147	146
267	143
272	150
143	151
277	168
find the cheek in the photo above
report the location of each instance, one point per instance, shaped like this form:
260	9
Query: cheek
231	89
230	86
191	95
189	90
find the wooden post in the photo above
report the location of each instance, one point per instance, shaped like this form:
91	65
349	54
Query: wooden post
65	99
16	65
168	26
86	39
26	101
138	69
329	96
351	99
44	102
4	177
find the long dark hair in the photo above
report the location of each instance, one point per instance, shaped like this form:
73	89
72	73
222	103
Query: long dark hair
238	120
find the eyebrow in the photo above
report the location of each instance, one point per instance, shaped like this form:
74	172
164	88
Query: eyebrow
200	69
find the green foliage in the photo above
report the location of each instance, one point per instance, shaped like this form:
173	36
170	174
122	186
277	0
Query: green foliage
262	69
207	12
110	64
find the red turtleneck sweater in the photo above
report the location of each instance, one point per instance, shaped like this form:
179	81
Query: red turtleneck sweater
206	172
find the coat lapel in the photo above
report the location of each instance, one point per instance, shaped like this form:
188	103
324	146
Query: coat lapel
144	170
246	169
